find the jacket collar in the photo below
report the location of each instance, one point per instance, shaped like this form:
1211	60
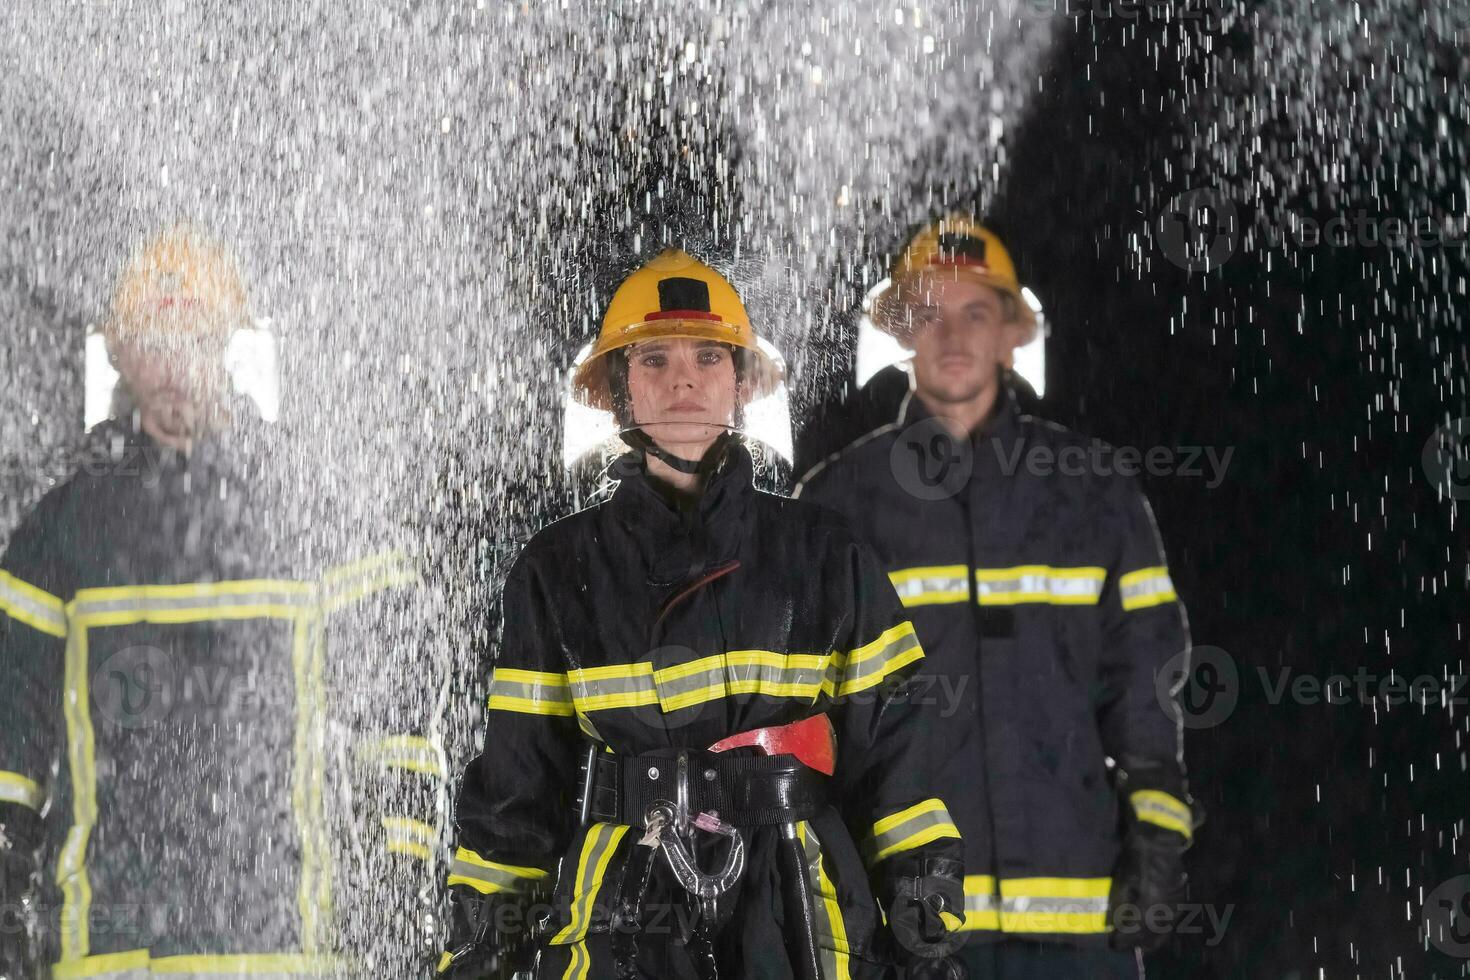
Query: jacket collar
678	543
1003	424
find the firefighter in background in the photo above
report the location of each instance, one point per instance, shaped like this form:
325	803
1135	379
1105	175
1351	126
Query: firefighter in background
206	754
1041	594
706	641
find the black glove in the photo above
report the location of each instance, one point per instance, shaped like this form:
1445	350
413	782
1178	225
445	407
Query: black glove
489	936
925	912
20	839
1148	885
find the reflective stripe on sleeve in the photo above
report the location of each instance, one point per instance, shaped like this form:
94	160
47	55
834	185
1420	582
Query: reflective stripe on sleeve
1146	587
931	585
346	584
412	752
910	828
490	877
37	608
1159	808
1037	906
530	692
869	665
405	835
1039	584
597	851
15	788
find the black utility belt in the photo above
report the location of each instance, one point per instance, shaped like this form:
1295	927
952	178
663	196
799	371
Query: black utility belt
746	791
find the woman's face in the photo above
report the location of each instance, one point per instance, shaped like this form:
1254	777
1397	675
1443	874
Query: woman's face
683	392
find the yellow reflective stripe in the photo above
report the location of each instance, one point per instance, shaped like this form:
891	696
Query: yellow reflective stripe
345	584
37	608
931	584
412	752
597	850
1159	808
1146	587
191	602
830	924
613	686
1057	906
137	962
580	963
15	788
914	827
406	835
982	904
530	692
872	663
1039	584
488	877
760	672
71	862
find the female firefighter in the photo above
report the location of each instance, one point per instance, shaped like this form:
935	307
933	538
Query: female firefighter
738	665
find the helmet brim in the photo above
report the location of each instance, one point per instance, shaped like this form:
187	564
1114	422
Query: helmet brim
590	383
888	306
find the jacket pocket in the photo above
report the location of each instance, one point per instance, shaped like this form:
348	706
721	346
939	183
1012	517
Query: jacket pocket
589	874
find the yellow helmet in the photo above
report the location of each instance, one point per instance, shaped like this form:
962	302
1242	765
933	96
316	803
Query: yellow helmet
179	281
955	246
675	295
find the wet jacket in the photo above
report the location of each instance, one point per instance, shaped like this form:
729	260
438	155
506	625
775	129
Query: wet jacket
210	720
616	630
1035	577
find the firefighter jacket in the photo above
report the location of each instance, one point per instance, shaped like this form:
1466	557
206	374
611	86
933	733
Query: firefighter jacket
1037	583
213	723
645	627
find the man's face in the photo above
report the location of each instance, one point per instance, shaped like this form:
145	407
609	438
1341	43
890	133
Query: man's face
683	391
961	337
175	379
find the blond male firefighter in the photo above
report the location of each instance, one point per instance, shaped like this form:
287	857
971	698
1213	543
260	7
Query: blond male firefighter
185	786
1041	594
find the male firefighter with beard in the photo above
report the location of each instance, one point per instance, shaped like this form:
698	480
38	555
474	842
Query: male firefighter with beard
1041	595
205	759
737	664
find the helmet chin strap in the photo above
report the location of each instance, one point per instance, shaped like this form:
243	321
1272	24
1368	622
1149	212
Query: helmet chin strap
640	441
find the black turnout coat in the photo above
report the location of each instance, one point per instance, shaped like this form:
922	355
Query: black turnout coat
617	630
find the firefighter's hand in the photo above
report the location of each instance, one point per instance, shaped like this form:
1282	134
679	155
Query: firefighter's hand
925	911
484	943
1148	885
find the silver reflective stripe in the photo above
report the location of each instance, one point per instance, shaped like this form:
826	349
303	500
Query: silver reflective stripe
204	600
749	675
864	673
1067	586
500	880
15	788
1146	587
529	690
922	590
32	606
1055	906
982	903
